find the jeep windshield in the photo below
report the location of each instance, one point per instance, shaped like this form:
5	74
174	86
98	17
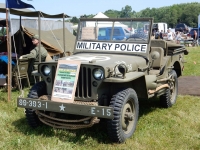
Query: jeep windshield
112	30
119	35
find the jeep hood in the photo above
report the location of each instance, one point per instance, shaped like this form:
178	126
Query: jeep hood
110	60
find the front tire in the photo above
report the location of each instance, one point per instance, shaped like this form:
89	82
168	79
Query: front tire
169	98
126	111
35	92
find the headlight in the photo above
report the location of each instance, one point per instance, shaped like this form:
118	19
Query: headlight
98	74
46	70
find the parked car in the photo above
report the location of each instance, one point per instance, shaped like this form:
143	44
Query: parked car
119	33
191	33
182	28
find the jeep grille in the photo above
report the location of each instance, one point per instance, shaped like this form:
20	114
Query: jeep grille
83	89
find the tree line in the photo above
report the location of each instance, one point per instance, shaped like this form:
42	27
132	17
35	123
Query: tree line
179	13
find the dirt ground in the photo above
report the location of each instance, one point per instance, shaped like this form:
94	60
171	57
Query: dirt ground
189	85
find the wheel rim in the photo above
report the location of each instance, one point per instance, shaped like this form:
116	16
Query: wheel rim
128	117
172	87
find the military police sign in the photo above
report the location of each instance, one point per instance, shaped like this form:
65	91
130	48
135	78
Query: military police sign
120	47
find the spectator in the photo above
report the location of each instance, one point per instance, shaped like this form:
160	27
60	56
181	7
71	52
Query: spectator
178	37
169	35
152	35
34	53
161	34
194	38
157	35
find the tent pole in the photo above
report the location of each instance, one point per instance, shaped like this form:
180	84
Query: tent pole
64	34
9	52
39	23
20	41
39	33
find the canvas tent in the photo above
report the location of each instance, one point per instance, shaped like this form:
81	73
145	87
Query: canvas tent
53	43
38	14
29	13
53	40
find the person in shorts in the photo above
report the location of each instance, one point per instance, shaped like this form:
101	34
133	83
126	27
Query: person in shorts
194	38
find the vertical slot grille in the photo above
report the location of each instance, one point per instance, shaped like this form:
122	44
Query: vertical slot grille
83	89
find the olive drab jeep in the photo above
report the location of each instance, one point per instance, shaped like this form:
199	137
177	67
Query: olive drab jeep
113	75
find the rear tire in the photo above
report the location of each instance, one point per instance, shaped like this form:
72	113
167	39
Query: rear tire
169	98
35	92
126	111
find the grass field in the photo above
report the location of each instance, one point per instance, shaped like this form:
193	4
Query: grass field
168	129
192	62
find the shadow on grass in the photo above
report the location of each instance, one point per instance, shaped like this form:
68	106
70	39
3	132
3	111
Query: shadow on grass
98	132
148	105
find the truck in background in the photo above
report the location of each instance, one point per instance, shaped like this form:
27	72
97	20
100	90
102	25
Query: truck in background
119	33
160	26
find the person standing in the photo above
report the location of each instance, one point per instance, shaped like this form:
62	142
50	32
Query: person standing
161	34
178	37
157	35
169	35
194	38
34	53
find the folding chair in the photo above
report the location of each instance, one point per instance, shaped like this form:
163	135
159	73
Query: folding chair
20	72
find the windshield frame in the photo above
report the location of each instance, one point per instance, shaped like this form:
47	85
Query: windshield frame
114	22
147	42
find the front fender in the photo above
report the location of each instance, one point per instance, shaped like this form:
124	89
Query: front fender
130	76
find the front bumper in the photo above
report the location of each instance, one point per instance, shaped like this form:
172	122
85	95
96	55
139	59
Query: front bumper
67	108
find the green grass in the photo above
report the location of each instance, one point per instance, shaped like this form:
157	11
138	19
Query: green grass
168	129
191	67
174	128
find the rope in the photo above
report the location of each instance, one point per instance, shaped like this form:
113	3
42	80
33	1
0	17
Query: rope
20	84
53	34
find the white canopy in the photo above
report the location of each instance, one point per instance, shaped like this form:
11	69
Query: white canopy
100	15
101	24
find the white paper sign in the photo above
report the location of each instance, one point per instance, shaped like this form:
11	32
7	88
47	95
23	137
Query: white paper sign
104	46
65	81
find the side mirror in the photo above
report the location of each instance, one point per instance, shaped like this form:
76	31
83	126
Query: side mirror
155	55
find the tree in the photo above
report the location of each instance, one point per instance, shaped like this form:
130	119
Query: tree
74	20
112	13
126	12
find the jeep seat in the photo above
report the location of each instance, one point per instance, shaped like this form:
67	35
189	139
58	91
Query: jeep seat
159	43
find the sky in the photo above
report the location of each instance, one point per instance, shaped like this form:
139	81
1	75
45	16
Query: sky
81	7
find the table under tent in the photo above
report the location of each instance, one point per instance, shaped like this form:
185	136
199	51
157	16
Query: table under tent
21	42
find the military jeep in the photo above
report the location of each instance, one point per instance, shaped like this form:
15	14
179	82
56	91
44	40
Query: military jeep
114	75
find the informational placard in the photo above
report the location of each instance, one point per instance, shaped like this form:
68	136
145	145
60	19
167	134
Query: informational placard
65	81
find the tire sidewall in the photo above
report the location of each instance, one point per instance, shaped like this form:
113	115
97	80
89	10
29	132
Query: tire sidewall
118	102
174	76
35	92
166	100
133	97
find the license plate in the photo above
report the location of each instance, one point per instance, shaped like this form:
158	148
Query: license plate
103	112
68	108
32	104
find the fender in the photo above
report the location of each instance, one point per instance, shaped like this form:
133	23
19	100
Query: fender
130	76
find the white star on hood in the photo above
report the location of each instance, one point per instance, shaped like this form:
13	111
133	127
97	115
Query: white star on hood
62	108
